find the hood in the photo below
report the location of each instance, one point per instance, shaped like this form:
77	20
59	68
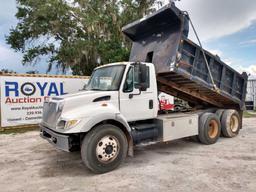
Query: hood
85	98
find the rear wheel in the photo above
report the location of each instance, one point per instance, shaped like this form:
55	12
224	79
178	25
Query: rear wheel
104	148
209	128
230	123
219	113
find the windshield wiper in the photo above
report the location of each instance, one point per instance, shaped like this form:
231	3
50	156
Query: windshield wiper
95	89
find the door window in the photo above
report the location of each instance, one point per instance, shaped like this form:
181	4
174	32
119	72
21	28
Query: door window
128	85
138	76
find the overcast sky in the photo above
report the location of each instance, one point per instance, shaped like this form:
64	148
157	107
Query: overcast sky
226	27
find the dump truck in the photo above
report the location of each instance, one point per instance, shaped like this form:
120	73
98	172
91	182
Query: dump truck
119	107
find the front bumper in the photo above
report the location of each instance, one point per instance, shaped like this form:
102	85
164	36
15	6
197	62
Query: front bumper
60	141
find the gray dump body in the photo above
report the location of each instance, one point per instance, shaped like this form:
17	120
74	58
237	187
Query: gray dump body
161	38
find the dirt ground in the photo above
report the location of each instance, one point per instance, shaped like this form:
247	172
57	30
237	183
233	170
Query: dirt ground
29	163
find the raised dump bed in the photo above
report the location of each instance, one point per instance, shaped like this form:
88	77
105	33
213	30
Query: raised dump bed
161	38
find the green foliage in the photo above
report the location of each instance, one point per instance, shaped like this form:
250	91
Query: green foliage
78	34
7	71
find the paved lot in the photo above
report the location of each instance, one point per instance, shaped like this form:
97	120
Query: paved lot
28	163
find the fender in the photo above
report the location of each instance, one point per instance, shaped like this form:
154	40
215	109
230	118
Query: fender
94	115
100	113
105	117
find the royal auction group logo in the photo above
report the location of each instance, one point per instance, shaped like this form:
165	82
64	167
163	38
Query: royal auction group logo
28	92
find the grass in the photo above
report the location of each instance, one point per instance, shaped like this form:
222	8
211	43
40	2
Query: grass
16	130
248	114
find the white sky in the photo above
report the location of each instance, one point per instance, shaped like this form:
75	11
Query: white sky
213	19
217	18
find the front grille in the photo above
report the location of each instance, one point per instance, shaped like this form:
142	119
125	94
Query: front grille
51	114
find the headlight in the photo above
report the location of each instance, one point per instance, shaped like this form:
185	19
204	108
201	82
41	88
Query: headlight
71	123
67	124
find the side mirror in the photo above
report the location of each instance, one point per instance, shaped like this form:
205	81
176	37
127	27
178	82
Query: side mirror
142	72
143	69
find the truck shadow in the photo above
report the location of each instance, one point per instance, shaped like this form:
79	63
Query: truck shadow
143	153
60	163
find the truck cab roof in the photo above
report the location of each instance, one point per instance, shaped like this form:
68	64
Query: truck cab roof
121	63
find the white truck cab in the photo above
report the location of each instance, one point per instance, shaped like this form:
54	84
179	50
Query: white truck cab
117	96
113	92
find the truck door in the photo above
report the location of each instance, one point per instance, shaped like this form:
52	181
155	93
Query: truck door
137	103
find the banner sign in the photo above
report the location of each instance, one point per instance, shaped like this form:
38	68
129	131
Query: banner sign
22	97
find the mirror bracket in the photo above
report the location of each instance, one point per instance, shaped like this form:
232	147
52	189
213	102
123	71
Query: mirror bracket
132	94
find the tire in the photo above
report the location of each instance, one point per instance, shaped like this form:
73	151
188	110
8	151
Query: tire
104	148
209	128
219	113
230	123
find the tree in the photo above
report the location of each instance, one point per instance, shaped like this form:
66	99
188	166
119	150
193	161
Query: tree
79	35
32	72
7	71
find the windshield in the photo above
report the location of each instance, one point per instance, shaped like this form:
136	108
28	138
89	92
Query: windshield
106	78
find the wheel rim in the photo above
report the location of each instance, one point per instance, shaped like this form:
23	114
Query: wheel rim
213	129
234	123
107	149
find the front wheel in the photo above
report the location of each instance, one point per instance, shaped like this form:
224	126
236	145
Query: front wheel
104	148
